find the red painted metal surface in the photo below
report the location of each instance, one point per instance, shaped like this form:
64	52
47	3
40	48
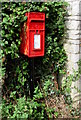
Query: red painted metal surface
33	35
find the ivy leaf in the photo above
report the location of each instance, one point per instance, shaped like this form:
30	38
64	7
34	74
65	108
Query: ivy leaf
5	19
25	18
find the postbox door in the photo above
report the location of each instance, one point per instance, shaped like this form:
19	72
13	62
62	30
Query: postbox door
36	43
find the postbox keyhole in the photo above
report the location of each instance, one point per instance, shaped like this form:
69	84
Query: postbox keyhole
36	31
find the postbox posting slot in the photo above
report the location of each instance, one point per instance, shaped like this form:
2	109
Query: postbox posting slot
35	20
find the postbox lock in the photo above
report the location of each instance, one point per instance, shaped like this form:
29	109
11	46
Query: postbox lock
36	31
33	44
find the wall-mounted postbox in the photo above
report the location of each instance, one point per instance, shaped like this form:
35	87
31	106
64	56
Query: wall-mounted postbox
33	35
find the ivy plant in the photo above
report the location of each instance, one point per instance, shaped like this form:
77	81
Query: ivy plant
16	66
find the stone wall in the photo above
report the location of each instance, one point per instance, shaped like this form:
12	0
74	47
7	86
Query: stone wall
73	41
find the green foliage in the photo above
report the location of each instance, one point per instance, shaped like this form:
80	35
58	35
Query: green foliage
79	64
37	93
16	66
28	109
67	84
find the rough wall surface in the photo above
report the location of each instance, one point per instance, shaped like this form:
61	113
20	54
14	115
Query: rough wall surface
73	41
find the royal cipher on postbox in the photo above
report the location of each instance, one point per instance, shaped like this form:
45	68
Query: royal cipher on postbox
33	35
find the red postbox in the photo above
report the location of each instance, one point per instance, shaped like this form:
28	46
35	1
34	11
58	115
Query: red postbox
33	35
